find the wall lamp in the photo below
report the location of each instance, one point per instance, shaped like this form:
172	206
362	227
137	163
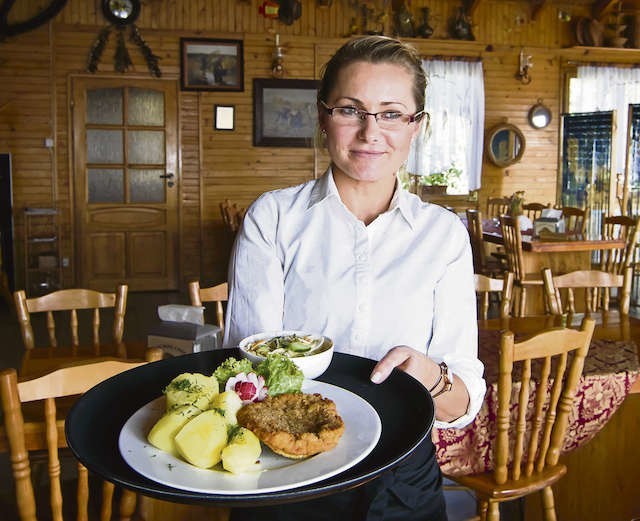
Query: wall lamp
524	64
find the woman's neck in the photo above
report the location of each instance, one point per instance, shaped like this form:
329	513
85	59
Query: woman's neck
365	199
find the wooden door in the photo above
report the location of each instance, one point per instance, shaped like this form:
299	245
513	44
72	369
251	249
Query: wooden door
126	183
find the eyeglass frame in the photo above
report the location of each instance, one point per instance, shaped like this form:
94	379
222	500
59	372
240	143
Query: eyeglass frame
362	114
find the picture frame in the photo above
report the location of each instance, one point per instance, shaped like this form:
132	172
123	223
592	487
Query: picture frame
224	117
284	112
211	64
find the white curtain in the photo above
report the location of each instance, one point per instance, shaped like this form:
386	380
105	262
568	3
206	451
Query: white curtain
455	101
598	89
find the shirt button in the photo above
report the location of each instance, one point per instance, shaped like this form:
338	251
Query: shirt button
362	257
361	307
357	337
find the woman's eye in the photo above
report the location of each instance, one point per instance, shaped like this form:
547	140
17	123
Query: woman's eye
349	111
390	115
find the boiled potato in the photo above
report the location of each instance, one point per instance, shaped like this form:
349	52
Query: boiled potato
191	389
201	440
228	404
162	434
242	452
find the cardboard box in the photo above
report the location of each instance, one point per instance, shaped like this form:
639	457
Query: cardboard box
181	338
549	225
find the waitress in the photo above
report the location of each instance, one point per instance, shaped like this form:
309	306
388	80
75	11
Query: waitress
354	256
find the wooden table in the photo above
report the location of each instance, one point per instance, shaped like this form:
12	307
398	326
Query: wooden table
603	472
561	253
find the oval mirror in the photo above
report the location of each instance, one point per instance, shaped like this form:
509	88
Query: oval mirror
539	115
505	144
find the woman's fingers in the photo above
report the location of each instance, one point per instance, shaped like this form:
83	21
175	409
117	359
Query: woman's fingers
401	357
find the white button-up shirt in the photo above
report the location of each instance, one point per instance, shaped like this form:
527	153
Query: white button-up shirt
303	261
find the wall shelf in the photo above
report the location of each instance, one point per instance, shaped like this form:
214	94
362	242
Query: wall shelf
42	266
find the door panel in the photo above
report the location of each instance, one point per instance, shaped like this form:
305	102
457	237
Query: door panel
148	259
107	256
125	176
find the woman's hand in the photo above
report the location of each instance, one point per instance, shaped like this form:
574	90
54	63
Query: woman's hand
422	368
449	405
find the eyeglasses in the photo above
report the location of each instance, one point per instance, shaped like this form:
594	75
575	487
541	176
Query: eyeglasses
387	119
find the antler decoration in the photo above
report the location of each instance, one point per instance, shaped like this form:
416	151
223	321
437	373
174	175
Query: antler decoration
122	59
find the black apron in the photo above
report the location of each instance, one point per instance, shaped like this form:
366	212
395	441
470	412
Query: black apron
410	492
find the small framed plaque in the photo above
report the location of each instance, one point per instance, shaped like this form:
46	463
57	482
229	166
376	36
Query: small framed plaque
224	117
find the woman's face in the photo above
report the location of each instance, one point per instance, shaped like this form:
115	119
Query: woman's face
364	151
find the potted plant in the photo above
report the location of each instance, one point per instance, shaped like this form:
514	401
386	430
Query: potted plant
437	182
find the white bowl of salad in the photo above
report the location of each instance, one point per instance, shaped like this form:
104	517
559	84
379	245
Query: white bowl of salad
312	353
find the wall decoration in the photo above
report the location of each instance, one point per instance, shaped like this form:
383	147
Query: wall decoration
284	112
224	117
122	14
209	64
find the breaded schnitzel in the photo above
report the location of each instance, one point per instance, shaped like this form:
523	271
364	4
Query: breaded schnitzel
294	425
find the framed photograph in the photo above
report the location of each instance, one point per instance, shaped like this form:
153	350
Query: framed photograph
284	112
224	117
216	65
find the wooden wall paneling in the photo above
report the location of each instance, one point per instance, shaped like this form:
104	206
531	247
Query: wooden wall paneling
219	164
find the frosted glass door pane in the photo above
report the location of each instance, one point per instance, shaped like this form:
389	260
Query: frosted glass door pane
146	107
104	106
146	186
104	146
146	147
106	185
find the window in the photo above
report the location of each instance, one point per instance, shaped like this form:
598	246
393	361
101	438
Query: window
597	88
454	138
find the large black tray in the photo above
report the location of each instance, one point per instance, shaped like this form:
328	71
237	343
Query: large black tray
93	425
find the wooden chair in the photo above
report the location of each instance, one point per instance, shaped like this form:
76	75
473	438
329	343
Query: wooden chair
534	210
232	215
497	206
485	286
593	282
529	439
28	440
515	260
216	294
481	262
71	301
619	227
575	220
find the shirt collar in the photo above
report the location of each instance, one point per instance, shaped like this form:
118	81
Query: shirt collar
325	187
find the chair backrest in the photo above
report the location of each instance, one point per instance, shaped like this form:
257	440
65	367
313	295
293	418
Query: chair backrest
596	285
216	294
232	215
619	227
70	301
512	239
46	434
575	219
533	435
485	286
534	210
474	226
497	206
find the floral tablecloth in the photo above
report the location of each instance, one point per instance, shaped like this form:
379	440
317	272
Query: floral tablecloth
611	368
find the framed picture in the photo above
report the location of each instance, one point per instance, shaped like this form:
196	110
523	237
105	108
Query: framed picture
284	112
216	65
224	117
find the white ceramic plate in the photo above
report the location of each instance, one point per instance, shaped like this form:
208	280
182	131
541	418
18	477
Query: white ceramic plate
362	432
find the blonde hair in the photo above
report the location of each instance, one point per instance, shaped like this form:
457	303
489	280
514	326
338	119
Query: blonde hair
375	49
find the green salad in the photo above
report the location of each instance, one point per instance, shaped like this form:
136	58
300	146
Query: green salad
289	345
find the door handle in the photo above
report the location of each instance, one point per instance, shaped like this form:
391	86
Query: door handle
166	176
